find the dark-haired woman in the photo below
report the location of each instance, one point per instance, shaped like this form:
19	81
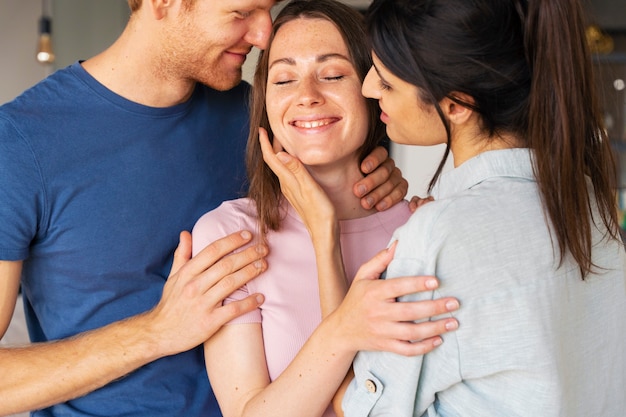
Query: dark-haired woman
523	231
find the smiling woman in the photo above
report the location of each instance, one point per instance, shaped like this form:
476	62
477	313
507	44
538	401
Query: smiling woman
307	96
331	65
313	97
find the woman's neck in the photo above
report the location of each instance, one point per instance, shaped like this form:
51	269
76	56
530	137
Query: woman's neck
467	143
338	184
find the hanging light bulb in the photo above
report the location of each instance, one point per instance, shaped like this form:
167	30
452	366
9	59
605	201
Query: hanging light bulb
45	54
599	42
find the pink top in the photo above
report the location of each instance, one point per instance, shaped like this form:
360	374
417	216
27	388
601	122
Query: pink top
291	310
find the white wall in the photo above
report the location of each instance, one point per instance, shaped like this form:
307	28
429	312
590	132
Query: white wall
19	69
418	164
80	28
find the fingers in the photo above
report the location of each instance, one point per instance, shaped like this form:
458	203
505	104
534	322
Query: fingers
192	296
374	319
232	272
417	202
410	329
182	253
420	347
397	287
279	162
405	328
374	159
276	145
382	188
216	270
373	268
289	170
228	312
410	311
416	332
269	156
374	179
297	185
216	251
388	290
391	192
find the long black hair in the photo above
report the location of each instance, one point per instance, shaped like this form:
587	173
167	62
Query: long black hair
526	65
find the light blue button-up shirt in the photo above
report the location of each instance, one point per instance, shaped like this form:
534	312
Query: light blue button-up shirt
534	338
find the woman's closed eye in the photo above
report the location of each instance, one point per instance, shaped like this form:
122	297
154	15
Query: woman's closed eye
282	82
383	85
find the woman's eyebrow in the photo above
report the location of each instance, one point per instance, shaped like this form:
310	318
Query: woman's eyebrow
319	58
287	61
326	57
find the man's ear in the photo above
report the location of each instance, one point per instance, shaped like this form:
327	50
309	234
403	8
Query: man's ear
160	8
457	113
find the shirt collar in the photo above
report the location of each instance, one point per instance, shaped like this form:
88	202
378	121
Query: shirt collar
501	163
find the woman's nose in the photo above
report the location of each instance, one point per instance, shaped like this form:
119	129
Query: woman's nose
309	92
368	89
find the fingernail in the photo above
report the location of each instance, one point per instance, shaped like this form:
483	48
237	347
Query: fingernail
261	249
452	325
258	264
438	341
246	235
452	305
432	283
368	166
259	299
283	157
392	245
382	205
369	201
362	190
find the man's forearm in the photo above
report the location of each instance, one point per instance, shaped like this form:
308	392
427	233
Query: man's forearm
189	312
40	375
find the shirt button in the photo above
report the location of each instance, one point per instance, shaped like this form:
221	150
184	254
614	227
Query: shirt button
370	385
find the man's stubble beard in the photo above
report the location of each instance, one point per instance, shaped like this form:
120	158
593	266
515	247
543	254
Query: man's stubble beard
213	75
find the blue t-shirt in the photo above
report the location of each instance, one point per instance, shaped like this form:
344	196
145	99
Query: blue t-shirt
94	190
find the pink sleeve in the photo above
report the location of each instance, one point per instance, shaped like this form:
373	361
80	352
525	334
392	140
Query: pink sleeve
222	221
